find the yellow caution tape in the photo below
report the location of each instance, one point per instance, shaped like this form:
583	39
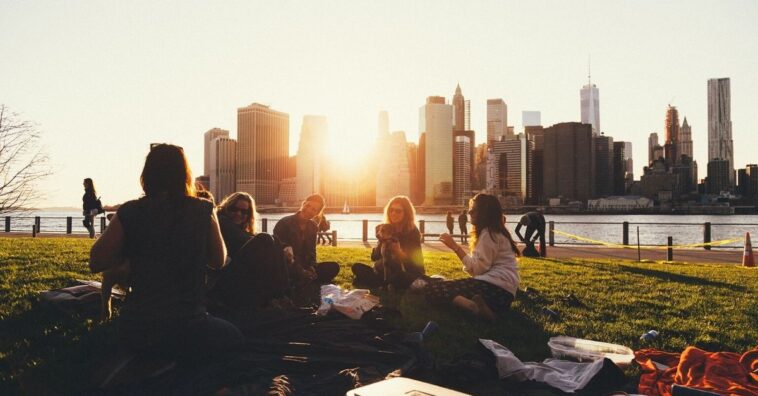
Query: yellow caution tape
622	246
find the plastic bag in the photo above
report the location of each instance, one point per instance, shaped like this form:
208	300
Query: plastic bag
351	304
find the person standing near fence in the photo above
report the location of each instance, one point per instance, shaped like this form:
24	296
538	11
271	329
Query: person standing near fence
450	222
535	223
91	206
462	220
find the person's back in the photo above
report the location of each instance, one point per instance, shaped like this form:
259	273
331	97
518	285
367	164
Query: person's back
166	243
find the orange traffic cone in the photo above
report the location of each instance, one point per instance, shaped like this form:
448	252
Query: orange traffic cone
747	257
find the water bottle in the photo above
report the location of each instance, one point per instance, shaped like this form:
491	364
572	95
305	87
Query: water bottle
647	337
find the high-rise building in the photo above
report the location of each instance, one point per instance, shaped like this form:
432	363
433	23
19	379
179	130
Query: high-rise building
619	168
207	139
421	169
311	153
536	134
685	139
436	121
471	135
416	188
720	145
467	115
223	167
717	180
671	127
604	170
393	172
511	165
459	110
479	178
497	120
531	118
262	151
652	145
569	161
590	106
629	162
462	169
751	187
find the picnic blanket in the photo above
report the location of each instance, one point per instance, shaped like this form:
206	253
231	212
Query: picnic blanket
726	373
292	352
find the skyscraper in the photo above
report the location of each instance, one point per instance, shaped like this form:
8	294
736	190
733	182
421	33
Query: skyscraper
629	168
462	173
393	173
671	147
497	120
511	166
262	151
685	139
207	139
467	115
590	106
720	144
652	144
531	118
223	167
459	110
436	121
569	161
310	155
604	166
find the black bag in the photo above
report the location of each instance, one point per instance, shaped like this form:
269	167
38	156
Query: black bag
99	207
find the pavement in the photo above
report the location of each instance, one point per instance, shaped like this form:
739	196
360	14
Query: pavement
697	255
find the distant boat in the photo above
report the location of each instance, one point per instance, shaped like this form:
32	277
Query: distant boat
346	208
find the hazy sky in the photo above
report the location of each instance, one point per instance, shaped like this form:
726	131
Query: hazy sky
105	79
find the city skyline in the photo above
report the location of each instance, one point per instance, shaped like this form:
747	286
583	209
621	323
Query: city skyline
118	78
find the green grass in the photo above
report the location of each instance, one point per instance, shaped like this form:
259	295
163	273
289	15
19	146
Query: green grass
711	306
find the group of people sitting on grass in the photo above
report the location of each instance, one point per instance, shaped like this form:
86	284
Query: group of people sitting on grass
181	255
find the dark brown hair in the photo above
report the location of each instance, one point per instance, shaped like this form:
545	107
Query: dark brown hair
488	216
167	171
231	200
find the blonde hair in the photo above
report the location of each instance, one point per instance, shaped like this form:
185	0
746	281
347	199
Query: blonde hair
409	217
231	200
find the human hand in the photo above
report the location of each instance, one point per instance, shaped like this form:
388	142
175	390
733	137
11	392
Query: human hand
310	273
289	254
448	240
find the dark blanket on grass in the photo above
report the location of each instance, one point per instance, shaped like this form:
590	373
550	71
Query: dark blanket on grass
293	352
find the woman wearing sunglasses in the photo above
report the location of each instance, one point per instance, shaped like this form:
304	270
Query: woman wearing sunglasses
256	273
401	242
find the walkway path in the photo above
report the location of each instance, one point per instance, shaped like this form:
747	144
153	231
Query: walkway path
729	256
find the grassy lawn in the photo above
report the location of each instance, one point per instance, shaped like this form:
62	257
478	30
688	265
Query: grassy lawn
714	307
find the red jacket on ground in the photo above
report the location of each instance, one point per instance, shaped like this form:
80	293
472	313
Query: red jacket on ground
726	373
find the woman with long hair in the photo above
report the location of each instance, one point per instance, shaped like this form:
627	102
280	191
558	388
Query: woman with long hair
398	250
90	206
256	273
169	237
492	264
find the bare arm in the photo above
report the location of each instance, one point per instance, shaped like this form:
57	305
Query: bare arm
107	252
216	247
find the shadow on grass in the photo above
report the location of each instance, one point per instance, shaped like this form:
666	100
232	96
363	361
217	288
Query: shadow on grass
679	278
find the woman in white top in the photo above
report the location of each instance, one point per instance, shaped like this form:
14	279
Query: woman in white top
492	264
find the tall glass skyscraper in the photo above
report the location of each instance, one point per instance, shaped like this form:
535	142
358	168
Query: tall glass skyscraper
590	103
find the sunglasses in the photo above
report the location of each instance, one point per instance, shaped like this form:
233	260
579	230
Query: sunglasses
234	209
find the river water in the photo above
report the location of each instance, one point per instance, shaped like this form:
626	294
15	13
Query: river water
653	229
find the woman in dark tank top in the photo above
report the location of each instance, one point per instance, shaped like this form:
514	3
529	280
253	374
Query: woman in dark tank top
169	238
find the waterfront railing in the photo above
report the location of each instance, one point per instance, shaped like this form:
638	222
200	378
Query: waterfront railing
583	233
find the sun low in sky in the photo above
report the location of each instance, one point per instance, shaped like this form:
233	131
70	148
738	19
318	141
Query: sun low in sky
103	80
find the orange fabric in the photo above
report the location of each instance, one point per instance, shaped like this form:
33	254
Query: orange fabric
726	373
